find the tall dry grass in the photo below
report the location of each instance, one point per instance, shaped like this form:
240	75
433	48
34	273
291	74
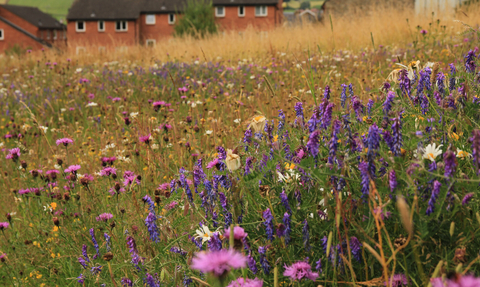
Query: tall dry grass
392	26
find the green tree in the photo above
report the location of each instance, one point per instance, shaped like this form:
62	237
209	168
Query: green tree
305	5
198	19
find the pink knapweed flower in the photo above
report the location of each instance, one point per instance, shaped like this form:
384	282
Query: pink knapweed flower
299	271
238	233
213	163
13	153
240	282
64	141
218	262
72	168
4	225
104	217
461	281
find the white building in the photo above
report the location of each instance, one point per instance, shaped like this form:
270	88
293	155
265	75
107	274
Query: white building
426	7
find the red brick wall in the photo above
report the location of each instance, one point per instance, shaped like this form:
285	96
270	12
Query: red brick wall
232	21
110	37
12	36
42	34
160	29
18	21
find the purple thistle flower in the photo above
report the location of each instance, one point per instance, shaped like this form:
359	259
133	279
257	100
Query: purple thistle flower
13	154
398	280
150	223
392	180
4	225
263	259
306	236
95	244
269	229
356	248
64	141
433	198
453	71
313	143
300	270
363	167
104	217
387	105
218	263
470	62
450	163
72	169
466	199
343	96
252	264
146	139
288	228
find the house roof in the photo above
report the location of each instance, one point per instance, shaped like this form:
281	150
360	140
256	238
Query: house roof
131	9
28	34
34	16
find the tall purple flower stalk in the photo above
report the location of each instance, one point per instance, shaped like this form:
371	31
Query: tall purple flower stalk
150	223
453	72
369	107
281	122
313	143
470	65
306	236
356	248
387	105
247	138
252	264
95	244
434	197
392	180
333	144
327	115
397	136
263	259
357	107
326	92
450	163
466	199
441	83
405	83
475	140
363	166
299	113
269	229
288	228
284	199
343	96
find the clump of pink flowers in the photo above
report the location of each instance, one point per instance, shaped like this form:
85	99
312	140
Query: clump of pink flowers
104	217
218	263
459	281
300	270
238	233
13	154
240	282
72	169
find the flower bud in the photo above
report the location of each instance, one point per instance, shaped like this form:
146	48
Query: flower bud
56	221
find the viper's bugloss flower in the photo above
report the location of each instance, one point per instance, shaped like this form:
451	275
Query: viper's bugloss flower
242	282
434	197
150	223
263	259
151	204
215	243
357	107
299	110
466	199
300	270
369	107
306	236
218	263
284	200
387	105
81	279
281	122
313	143
108	241
252	264
327	115
269	229
288	228
392	180
450	163
150	281
405	83
84	253
475	140
318	265
363	167
324	244
356	248
82	262
248	165
247	138
343	96
470	65
64	141
453	71
95	244
397	136
441	83
104	217
126	282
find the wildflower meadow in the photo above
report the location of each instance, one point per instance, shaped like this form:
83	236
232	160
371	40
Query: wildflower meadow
339	167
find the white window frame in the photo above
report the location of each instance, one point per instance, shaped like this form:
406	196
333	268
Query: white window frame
80	30
121	29
150	22
98	26
80	50
174	19
150	41
2	34
239	14
216	11
261	14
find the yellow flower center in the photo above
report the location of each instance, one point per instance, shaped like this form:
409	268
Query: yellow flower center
258	118
430	155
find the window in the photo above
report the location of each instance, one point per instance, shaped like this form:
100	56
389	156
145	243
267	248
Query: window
241	11
121	26
150	19
48	34
260	11
101	26
80	50
220	11
2	36
150	43
171	19
54	34
80	26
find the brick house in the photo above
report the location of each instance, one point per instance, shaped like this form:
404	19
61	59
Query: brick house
29	28
121	23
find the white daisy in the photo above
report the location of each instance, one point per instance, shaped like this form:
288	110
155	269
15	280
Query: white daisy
463	154
204	233
432	151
